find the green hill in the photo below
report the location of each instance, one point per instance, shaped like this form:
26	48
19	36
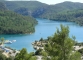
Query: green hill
71	16
36	8
13	23
60	11
60	7
26	7
31	5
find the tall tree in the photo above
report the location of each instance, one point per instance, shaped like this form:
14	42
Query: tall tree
60	46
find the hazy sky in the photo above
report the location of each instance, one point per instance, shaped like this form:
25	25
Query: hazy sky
51	1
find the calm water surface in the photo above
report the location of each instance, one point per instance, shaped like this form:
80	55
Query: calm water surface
44	29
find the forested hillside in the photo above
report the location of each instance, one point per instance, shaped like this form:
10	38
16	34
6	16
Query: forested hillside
67	11
65	6
37	9
31	5
33	8
13	23
74	15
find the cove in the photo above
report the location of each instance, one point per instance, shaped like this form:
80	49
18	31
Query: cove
44	29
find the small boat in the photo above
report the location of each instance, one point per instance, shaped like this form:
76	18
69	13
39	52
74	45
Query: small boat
13	40
8	42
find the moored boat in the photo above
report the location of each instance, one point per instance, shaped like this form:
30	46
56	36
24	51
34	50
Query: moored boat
13	40
8	42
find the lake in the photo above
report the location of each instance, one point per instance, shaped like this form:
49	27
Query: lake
44	29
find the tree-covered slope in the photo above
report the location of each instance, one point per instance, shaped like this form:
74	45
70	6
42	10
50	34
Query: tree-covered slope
64	6
74	16
31	5
26	7
37	9
13	23
35	6
62	11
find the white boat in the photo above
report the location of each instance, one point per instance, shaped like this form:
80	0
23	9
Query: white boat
8	42
13	40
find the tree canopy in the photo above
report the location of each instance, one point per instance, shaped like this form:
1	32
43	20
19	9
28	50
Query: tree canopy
60	46
65	11
13	23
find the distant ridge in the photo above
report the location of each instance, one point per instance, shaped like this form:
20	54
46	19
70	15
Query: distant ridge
41	10
35	5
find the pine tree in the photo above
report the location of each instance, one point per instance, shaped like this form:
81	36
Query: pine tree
60	46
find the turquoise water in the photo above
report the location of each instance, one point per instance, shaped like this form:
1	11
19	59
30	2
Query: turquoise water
44	29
